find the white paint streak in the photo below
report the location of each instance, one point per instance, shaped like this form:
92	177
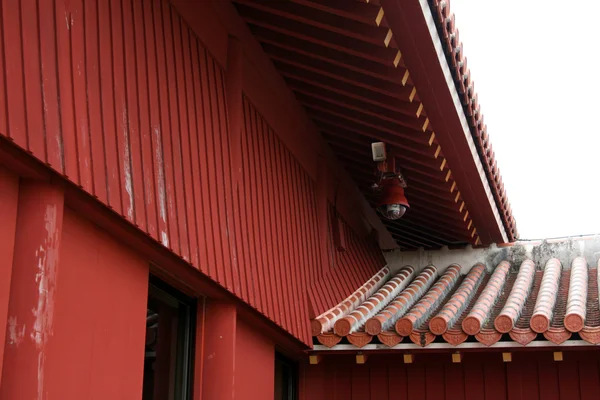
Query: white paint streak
15	335
127	164
162	198
164	238
47	257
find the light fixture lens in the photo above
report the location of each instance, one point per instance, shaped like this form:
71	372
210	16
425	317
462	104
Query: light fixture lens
392	211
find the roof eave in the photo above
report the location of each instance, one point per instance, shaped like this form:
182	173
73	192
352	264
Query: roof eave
413	25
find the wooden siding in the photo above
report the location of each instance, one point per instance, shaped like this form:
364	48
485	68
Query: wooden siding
122	98
530	376
347	269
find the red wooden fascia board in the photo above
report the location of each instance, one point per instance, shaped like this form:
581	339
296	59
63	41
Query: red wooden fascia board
414	28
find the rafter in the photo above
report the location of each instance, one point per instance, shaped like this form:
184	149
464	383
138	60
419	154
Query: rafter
330	82
316	18
383	55
323	53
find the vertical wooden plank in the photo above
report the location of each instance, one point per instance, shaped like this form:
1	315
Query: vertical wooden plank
568	380
211	201
416	382
3	88
247	202
196	140
163	58
143	64
32	73
190	156
233	103
494	380
284	201
340	377
314	385
454	382
80	101
589	379
379	384
122	113
360	382
206	237
260	189
224	176
301	269
398	381
277	284
94	108
46	19
178	130
548	381
13	64
474	389
434	380
109	126
514	381
294	235
137	172
528	368
308	231
151	33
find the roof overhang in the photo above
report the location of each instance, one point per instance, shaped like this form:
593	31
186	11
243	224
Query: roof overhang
415	29
378	70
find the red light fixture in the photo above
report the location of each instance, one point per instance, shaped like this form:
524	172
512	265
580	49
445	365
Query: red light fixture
390	184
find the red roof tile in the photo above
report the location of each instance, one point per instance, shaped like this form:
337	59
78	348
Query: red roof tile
553	300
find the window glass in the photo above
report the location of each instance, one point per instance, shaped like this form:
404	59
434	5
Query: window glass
286	378
169	344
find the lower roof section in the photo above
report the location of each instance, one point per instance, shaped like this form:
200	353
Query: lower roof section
532	295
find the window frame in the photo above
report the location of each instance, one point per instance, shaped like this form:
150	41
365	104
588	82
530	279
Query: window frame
186	331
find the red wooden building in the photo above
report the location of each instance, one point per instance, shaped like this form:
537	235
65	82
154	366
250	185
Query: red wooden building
187	213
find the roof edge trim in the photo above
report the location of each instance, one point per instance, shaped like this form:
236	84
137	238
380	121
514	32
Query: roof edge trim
441	54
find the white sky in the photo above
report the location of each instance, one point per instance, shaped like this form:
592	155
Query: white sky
536	69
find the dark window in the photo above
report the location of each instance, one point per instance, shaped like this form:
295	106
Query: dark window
286	378
169	344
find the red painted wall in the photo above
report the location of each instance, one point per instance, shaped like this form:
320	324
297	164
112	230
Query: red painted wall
254	364
128	100
530	376
9	193
76	305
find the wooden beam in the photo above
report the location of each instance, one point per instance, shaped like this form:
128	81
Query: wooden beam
333	70
312	34
386	134
370	14
361	358
366	110
314	359
343	129
330	81
315	51
316	18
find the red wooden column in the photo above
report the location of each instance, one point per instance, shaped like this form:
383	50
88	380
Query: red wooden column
32	291
9	191
218	351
